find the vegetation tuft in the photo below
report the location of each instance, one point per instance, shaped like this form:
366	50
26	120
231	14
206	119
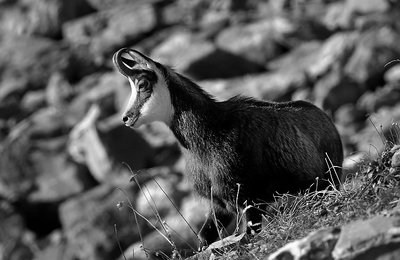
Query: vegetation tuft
373	189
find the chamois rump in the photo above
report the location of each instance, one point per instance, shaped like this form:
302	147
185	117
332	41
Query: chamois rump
238	152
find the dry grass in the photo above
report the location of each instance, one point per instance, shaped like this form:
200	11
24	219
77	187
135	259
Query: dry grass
374	189
371	191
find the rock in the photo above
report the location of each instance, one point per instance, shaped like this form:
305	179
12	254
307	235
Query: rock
16	178
392	75
375	48
13	235
298	60
346	15
257	42
89	222
107	4
389	95
163	141
192	56
276	86
376	237
106	153
43	17
353	163
349	115
58	91
335	89
48	122
106	31
316	246
57	177
396	159
33	101
31	59
335	50
381	127
108	90
183	237
155	194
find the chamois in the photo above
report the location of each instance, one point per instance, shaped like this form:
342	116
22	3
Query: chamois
238	152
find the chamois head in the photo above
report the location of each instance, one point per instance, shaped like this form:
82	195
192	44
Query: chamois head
150	99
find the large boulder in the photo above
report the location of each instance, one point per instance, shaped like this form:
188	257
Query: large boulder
275	85
58	178
200	59
31	59
42	17
13	235
375	48
336	89
182	233
375	238
335	50
16	176
106	31
93	221
348	14
371	101
109	150
258	42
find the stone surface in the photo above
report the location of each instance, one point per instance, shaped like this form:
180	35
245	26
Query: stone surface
392	75
57	177
13	235
108	152
335	50
193	56
370	238
258	42
335	89
375	238
88	221
33	59
396	159
388	95
108	30
16	178
346	14
374	49
275	85
183	237
316	246
326	52
42	17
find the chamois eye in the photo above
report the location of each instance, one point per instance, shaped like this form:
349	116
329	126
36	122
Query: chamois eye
144	84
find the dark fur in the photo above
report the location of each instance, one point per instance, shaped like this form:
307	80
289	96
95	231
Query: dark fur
266	147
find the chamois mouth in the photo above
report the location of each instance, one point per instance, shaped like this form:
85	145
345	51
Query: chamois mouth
131	121
128	63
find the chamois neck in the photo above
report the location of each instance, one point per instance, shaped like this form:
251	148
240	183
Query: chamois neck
196	113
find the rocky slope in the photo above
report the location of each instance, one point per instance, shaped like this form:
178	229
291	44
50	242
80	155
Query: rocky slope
65	158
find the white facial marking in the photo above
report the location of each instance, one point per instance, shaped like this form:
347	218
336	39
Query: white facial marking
158	106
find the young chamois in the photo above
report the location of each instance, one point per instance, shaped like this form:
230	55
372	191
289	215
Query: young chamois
240	151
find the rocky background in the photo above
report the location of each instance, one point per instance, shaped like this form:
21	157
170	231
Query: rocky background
71	173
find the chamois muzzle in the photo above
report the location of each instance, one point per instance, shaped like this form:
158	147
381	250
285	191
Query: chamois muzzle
129	67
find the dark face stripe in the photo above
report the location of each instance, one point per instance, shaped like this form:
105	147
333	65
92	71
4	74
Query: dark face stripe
142	96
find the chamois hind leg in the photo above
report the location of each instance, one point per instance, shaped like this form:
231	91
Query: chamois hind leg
209	232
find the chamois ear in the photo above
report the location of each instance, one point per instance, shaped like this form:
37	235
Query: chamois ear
131	62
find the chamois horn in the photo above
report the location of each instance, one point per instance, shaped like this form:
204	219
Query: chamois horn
127	66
